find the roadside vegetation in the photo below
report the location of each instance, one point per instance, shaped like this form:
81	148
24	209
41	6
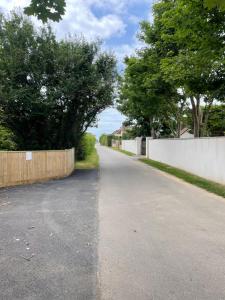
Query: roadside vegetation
90	162
87	156
123	151
6	139
106	140
205	184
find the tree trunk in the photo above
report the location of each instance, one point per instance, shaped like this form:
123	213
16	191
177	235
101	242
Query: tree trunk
196	112
179	128
206	117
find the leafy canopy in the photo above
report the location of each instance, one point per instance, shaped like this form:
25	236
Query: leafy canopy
182	64
46	9
51	91
215	4
198	64
6	139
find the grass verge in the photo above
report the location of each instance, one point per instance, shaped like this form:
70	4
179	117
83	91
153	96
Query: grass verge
123	151
203	183
91	162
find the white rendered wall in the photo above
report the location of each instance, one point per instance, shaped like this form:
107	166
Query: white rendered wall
204	157
130	145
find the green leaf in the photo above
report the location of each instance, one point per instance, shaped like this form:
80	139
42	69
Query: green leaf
46	9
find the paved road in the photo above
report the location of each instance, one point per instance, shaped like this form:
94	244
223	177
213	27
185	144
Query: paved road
160	238
57	223
133	234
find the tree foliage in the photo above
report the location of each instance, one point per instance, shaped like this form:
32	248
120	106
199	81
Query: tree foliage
216	122
51	91
220	4
6	139
182	64
106	140
87	146
46	9
198	65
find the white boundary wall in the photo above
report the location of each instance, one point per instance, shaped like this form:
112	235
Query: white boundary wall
129	145
204	157
133	146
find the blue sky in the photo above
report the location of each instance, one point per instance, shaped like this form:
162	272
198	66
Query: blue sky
115	22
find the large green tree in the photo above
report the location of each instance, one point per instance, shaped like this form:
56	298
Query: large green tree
186	44
50	91
197	65
147	98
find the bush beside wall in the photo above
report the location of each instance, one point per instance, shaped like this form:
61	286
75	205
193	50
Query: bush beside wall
6	139
106	140
87	146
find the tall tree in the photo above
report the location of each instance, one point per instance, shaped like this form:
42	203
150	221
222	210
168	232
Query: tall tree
189	40
188	45
146	97
50	91
198	65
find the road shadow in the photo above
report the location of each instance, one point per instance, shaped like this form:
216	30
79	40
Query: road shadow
48	238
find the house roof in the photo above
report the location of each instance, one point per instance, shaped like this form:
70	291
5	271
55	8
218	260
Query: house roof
184	130
118	131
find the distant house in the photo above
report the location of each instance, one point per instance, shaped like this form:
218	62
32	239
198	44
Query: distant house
185	134
116	142
119	132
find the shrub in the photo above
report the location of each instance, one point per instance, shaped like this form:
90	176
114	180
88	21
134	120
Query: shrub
6	139
87	146
106	140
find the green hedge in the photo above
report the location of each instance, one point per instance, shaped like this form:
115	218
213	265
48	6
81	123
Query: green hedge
106	140
6	139
87	146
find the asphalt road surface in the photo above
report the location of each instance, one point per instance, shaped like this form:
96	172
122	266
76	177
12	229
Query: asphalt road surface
48	239
160	238
126	232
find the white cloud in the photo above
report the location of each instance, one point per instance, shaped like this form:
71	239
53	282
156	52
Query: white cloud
126	50
79	18
8	5
110	120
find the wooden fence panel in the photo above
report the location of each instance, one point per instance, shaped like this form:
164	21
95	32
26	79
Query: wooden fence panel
20	167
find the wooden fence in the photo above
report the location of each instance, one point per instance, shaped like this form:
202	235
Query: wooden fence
20	167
